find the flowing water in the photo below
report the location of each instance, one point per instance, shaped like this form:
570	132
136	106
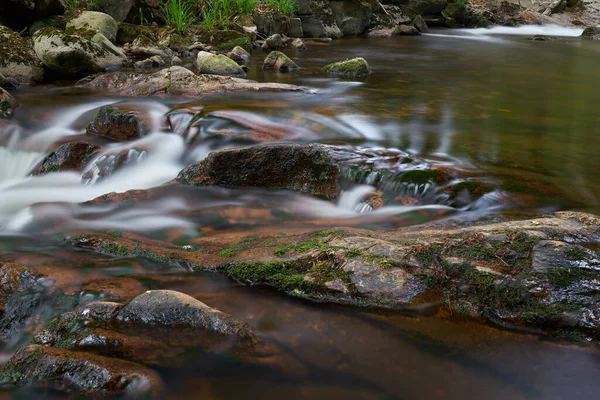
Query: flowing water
520	115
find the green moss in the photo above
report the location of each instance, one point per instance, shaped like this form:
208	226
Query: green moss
355	68
116	234
563	277
235	249
15	49
353	252
114	249
576	253
278	274
313	244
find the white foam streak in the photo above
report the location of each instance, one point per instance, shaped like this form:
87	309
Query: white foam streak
546	30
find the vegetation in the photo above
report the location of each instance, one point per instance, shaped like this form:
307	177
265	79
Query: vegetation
179	14
287	7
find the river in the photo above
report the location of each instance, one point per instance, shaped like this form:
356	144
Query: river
517	113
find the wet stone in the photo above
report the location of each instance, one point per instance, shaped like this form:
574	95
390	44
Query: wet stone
68	157
115	124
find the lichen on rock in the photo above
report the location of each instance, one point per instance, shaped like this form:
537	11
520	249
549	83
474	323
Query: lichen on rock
354	68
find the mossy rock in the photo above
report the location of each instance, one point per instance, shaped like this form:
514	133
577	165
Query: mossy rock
592	33
280	62
220	65
96	22
354	68
226	40
7	103
18	59
127	33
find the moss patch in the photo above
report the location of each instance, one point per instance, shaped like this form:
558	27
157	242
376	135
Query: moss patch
354	68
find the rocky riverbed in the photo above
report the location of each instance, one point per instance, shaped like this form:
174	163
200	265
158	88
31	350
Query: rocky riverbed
111	209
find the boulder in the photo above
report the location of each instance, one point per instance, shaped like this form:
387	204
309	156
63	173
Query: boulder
383	32
419	23
151	62
421	7
219	65
280	62
118	9
307	168
145	46
96	22
271	23
295	28
274	42
179	81
170	308
18	61
67	157
298	44
318	19
354	68
85	373
239	55
7	104
408	30
76	55
114	124
592	33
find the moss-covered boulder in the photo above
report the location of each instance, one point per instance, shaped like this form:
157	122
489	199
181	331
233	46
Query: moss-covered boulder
219	65
592	33
226	40
87	373
280	62
7	103
17	58
74	54
354	68
67	157
127	33
115	124
96	22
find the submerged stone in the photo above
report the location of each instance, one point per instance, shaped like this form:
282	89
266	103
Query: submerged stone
280	62
68	157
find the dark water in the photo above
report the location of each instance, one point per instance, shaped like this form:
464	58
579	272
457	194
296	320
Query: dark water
521	113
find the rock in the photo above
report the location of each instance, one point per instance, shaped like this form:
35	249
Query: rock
96	22
422	7
298	44
592	33
408	30
274	42
170	308
72	156
419	23
17	58
115	124
272	23
179	81
295	28
127	33
354	68
280	62
144	46
226	40
85	373
18	14
7	103
318	19
118	9
2	80
152	62
307	168
75	55
219	65
176	61
239	55
203	56
383	32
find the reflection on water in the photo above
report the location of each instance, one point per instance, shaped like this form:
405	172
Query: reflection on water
512	111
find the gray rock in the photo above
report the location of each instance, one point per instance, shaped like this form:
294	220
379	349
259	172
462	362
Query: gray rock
239	55
218	65
280	62
274	42
592	33
118	9
419	23
75	55
115	124
7	103
152	62
144	46
170	308
96	22
408	30
298	44
18	60
295	29
176	61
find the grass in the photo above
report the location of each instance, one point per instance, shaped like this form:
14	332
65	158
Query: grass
224	13
179	14
287	7
71	4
